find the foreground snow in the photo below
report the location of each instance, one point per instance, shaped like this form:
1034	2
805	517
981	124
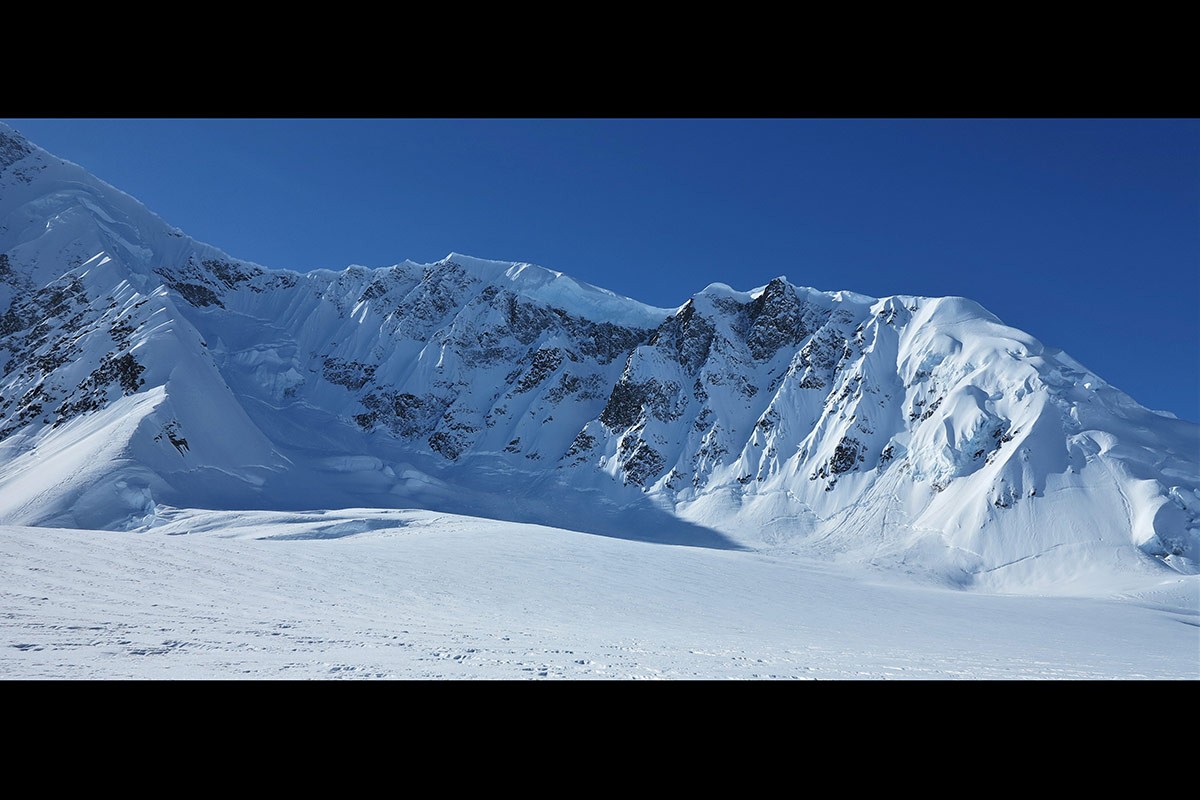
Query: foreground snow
417	594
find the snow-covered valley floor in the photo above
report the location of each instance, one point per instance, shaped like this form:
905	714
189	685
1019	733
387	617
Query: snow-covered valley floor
417	594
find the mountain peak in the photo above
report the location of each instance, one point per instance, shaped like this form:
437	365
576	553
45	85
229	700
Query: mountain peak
141	368
13	146
718	289
560	290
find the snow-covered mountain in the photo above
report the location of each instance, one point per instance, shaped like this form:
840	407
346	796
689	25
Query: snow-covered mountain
141	369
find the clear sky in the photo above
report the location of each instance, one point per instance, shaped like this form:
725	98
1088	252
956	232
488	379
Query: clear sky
1085	233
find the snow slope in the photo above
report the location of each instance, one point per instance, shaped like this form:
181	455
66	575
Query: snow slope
416	594
140	369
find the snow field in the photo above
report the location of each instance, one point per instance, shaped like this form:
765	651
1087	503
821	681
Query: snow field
416	594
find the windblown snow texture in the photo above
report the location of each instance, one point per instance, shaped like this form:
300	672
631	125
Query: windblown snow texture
140	369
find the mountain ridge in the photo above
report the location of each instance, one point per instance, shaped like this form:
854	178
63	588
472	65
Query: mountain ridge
144	368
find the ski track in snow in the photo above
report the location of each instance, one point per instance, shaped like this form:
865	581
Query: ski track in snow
420	595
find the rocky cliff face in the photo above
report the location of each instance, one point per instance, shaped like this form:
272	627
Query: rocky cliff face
140	367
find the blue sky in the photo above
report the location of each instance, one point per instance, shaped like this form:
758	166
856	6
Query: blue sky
1085	233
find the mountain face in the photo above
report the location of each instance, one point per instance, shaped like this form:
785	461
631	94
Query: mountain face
142	370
